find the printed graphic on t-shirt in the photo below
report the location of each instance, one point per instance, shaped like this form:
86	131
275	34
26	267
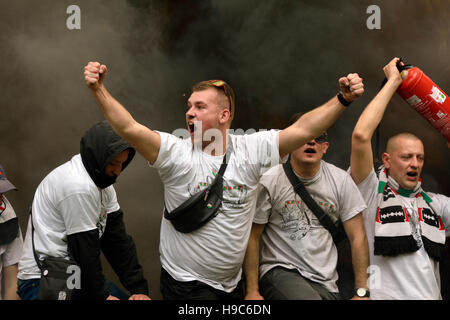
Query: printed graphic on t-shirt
297	219
235	196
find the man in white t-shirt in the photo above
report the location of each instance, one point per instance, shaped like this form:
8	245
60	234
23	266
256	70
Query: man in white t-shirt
75	214
10	242
290	254
207	263
406	227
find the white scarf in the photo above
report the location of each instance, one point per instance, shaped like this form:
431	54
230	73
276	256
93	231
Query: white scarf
392	228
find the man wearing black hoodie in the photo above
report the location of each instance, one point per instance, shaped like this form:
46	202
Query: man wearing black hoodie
75	213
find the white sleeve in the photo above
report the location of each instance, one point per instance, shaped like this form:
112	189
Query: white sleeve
80	212
173	158
351	200
262	151
263	205
13	251
111	203
441	204
369	187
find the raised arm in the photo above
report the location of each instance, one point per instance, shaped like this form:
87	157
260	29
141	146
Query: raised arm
361	160
315	122
144	140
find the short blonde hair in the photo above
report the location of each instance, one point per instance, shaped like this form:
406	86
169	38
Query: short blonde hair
223	88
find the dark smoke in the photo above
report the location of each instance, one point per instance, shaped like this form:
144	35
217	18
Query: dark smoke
281	57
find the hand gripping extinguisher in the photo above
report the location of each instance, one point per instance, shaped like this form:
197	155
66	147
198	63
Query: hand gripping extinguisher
424	96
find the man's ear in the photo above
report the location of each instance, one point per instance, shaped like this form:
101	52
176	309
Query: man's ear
325	147
386	160
224	115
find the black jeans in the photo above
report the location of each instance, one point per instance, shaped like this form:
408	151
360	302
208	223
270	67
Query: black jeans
172	289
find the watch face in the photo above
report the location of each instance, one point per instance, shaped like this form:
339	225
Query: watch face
361	292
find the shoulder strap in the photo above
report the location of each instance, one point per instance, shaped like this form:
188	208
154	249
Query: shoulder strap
224	164
300	189
226	158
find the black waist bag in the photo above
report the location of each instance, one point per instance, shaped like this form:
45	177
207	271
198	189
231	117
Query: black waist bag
201	207
56	283
59	276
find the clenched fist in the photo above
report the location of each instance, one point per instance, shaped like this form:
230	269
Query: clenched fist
391	71
352	87
94	74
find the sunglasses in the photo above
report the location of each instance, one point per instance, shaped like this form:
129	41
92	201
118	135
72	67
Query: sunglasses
226	88
322	138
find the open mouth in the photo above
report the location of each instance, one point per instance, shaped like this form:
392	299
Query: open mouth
412	174
191	127
310	150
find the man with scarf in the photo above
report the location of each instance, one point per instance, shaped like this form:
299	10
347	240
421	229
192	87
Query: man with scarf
75	214
406	227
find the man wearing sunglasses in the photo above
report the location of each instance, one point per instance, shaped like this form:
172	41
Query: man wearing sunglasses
290	254
206	264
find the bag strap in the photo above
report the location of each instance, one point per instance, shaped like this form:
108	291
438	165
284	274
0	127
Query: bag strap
224	164
221	171
32	242
300	189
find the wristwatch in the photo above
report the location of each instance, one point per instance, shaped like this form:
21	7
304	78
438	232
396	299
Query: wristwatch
362	292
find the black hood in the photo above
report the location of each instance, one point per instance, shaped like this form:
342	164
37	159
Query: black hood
98	147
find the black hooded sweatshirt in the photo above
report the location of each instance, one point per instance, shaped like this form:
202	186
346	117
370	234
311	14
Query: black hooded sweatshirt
98	147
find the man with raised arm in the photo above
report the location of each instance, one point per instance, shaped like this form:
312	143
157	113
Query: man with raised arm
405	226
206	264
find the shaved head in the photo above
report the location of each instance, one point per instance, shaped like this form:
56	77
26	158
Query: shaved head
395	141
404	158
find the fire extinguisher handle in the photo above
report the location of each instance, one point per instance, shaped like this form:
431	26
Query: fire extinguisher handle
400	69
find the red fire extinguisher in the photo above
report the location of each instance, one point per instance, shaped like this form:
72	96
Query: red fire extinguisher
422	94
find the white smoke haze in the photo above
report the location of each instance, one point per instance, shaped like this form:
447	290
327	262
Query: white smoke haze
280	57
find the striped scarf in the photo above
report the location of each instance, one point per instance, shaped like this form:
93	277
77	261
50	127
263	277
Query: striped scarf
393	234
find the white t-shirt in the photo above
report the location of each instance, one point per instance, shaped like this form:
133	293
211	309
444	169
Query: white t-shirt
67	201
411	276
293	237
212	254
9	253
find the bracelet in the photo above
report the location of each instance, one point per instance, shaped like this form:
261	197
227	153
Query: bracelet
342	100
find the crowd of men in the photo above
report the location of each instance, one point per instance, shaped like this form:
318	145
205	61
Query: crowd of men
250	216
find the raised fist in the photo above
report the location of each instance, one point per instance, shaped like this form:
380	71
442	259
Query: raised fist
94	74
352	87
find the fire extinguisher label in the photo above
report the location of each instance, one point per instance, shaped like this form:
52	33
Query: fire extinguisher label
440	114
414	101
437	95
